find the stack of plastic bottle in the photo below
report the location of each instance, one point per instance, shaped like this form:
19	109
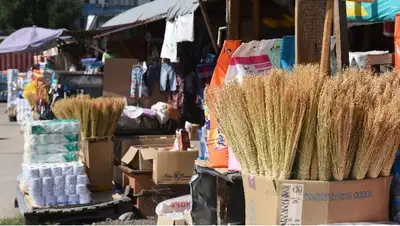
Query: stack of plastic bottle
52	174
3	87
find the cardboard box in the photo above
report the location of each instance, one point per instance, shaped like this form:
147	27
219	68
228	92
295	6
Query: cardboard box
97	155
174	167
140	183
169	167
138	158
274	202
143	141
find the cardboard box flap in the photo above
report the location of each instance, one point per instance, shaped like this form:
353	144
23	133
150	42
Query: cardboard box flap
130	155
148	153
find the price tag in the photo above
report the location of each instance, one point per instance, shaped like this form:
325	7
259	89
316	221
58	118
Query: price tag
291	209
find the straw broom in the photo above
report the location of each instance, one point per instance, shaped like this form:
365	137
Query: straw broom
274	86
118	107
293	112
324	125
231	112
312	80
391	125
238	108
216	101
253	88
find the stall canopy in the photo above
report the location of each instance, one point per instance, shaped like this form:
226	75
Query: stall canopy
30	39
156	10
377	12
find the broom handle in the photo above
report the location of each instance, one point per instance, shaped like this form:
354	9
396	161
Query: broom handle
326	38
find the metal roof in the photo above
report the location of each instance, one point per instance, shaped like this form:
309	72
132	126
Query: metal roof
156	10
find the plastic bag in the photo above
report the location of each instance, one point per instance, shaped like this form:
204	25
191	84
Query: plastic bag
175	208
251	57
395	197
216	145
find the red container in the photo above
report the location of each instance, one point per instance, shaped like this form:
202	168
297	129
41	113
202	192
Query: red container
20	61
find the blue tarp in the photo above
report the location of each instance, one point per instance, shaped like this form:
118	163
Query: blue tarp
30	39
377	12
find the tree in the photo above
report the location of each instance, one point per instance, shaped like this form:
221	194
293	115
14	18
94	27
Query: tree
15	14
63	13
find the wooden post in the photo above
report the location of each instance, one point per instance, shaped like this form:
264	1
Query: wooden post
309	26
208	24
341	34
256	19
233	19
326	38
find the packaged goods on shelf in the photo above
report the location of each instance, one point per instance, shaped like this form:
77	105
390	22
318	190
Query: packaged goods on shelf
56	184
44	139
52	127
51	148
30	158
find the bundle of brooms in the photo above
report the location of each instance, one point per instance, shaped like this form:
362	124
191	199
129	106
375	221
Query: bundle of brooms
98	116
306	125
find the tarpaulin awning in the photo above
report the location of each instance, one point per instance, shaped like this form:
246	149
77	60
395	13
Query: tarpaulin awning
156	10
377	12
30	39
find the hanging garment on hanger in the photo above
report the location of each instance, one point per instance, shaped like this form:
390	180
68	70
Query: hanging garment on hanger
184	28
137	79
152	77
167	74
170	46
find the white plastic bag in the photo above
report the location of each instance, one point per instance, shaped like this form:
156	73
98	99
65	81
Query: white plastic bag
251	57
175	208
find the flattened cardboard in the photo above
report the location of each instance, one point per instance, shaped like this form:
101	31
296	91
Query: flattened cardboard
117	76
97	156
138	158
174	167
318	202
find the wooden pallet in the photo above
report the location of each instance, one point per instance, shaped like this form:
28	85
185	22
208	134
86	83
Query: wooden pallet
104	206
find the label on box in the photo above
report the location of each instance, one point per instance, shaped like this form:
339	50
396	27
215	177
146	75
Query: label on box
291	209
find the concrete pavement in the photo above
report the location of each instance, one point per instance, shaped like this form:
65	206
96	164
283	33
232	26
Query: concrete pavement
11	151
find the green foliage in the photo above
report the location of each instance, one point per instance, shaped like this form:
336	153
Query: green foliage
15	14
17	220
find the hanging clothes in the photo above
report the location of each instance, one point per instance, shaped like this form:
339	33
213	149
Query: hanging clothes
137	79
184	28
167	76
177	97
152	77
179	30
170	46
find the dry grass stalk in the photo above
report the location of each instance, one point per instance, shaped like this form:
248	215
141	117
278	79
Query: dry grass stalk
294	104
253	88
312	81
324	124
215	100
388	134
358	131
98	117
274	86
238	108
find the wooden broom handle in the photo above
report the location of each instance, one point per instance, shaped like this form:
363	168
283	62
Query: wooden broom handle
326	38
